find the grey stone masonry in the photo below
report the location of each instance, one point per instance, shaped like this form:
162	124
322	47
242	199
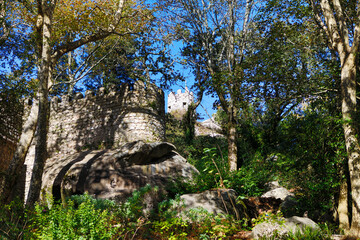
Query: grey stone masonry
178	103
103	120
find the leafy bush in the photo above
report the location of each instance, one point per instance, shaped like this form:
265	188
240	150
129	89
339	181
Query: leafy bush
213	173
213	169
198	223
74	222
311	159
168	224
134	214
100	204
269	218
15	221
309	234
250	180
134	207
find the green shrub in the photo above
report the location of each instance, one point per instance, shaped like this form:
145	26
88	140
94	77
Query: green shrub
100	204
309	234
133	215
133	208
74	222
213	173
269	218
15	221
249	180
195	223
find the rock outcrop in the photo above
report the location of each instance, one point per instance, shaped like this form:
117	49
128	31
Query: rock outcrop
208	128
218	201
276	191
226	201
115	174
280	229
255	206
288	204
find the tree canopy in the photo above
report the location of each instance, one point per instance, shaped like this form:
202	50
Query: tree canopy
284	75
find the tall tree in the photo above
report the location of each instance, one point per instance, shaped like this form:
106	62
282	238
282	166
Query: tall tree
285	64
60	27
340	23
215	34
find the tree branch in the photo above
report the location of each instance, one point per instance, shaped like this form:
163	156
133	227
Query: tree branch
344	33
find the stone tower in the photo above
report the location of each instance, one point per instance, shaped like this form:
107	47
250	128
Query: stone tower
178	103
101	120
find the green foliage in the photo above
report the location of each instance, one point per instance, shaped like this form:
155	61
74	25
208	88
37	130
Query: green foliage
82	222
213	173
247	181
269	218
309	234
213	169
132	208
191	151
313	154
99	204
194	223
85	218
250	180
15	221
169	224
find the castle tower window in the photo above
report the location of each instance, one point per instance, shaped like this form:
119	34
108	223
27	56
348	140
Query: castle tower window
184	103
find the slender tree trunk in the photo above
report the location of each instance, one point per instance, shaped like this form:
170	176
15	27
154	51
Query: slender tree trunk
8	180
348	91
232	145
40	149
232	136
44	75
343	206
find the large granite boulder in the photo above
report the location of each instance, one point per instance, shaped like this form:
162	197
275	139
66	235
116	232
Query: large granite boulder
276	191
217	201
288	205
282	228
226	201
115	174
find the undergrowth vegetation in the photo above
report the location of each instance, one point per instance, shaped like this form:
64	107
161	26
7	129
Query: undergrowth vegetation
83	217
310	172
304	152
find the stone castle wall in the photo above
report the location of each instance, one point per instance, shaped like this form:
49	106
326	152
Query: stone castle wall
103	120
11	112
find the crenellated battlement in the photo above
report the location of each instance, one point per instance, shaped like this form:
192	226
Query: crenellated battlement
179	102
138	93
106	119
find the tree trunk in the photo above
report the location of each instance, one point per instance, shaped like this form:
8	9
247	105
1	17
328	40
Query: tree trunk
232	143
348	92
8	180
343	206
43	75
40	149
